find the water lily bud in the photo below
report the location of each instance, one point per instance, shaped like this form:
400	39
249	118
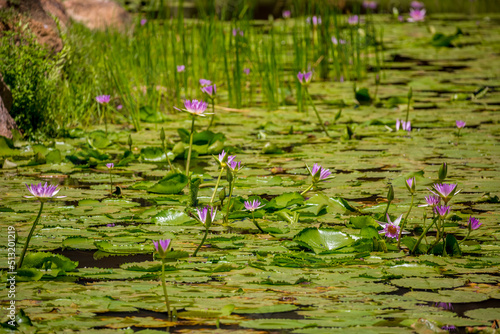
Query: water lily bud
130	142
443	171
222	194
390	193
410	93
162	135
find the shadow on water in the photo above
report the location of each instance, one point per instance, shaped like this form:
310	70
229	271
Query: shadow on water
86	258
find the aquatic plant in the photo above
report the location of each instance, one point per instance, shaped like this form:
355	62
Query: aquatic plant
162	247
233	168
318	174
110	167
103	100
304	79
444	190
252	206
223	159
181	68
391	229
206	216
410	185
195	108
43	193
416	15
210	91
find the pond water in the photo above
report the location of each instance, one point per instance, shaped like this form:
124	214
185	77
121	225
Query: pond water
278	282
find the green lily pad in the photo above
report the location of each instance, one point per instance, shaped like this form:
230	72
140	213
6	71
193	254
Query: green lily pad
322	240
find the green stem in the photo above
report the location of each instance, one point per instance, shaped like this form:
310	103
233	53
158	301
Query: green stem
408	111
468	234
165	288
438	237
213	115
386	210
190	147
256	224
168	159
226	218
424	233
202	242
105	120
305	191
216	185
21	259
317	113
404	221
110	183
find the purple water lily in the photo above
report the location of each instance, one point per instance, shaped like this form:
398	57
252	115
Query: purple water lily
449	328
119	107
406	126
391	229
207	215
287	14
234	165
445	306
370	4
43	192
194	107
205	82
209	90
336	42
181	68
431	201
444	190
410	184
417	15
254	205
353	19
319	173
237	31
473	223
103	99
161	246
110	165
460	124
442	210
315	20
143	22
246	71
304	78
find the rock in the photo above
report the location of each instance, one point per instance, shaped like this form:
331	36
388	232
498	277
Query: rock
39	22
7	123
98	14
56	8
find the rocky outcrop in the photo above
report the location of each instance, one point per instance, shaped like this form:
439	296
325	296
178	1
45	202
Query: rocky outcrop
56	9
98	14
7	123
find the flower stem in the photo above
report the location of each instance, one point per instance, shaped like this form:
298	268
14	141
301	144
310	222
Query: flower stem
305	191
387	209
202	242
317	114
213	115
404	221
21	259
165	288
468	233
105	120
438	236
190	147
168	159
110	183
424	233
216	185
256	224
226	218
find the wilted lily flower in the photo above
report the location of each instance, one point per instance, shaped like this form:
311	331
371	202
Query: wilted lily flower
460	124
206	215
161	247
391	229
473	223
43	192
442	210
304	78
102	99
444	190
181	68
416	15
254	205
209	90
194	107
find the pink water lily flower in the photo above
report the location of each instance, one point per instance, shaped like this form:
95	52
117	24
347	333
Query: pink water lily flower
304	78
442	210
287	14
194	107
161	246
473	223
431	200
102	99
205	82
391	229
43	192
209	90
417	15
444	190
207	215
110	165
181	68
254	205
460	124
353	19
